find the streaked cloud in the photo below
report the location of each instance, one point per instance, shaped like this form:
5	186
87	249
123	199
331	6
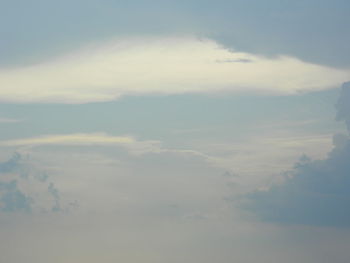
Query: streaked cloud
261	151
72	139
88	139
161	66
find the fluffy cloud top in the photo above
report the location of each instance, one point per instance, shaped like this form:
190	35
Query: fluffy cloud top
161	66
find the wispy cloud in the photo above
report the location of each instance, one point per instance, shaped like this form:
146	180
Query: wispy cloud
9	120
161	66
88	139
132	145
71	139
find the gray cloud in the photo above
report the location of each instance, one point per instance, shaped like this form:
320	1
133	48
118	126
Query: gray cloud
239	60
315	192
11	165
55	194
343	105
20	184
31	31
13	199
305	29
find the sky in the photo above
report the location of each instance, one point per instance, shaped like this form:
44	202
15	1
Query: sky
174	131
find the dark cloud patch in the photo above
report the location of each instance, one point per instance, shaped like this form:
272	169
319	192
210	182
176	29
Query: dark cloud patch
238	60
309	30
56	196
315	192
343	105
313	30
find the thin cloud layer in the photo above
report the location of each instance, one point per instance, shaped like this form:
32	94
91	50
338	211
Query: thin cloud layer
71	139
88	139
315	192
8	120
161	66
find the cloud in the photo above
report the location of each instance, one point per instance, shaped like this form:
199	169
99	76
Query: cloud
161	66
8	120
312	30
315	192
343	105
56	196
89	139
10	165
13	199
71	139
24	188
307	29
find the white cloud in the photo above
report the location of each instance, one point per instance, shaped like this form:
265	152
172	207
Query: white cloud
265	155
161	66
88	139
71	139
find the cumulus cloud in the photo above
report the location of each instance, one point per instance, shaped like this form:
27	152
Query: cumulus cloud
161	66
315	192
12	198
26	189
10	165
